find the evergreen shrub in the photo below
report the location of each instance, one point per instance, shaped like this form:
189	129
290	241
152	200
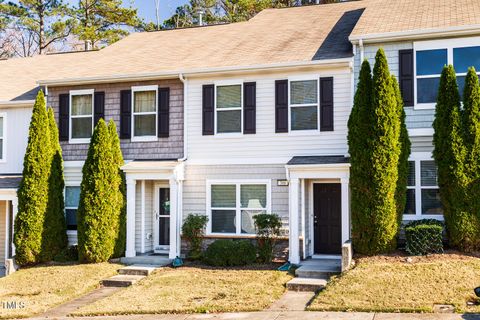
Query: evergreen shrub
229	253
424	237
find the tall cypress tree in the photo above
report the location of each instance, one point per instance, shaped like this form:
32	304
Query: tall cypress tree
386	151
405	147
32	199
121	193
449	154
471	140
359	135
97	215
54	238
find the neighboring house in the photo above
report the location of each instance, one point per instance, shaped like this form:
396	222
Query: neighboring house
234	120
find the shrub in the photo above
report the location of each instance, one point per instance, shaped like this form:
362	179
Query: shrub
67	254
229	253
424	237
268	229
193	230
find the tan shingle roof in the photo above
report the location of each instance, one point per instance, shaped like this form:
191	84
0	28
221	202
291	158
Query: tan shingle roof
392	16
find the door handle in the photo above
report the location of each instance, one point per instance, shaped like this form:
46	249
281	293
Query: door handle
157	216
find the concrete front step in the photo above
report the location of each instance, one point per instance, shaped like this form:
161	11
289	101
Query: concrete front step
138	270
319	268
306	284
121	280
157	260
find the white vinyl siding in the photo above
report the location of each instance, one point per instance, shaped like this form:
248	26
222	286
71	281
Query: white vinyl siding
149	213
15	138
266	146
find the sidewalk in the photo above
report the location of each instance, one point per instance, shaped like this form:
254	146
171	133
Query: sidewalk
297	315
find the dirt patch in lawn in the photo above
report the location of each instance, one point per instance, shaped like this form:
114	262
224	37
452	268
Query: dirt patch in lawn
196	288
404	284
34	290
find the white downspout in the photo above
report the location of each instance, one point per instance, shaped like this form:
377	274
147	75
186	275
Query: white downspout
185	136
362	50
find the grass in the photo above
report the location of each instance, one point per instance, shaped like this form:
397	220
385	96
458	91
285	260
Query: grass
43	287
195	289
393	284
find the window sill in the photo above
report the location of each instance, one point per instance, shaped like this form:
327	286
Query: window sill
413	217
424	106
79	141
144	139
229	135
305	132
230	235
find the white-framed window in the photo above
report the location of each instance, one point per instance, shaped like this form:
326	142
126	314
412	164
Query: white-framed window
72	198
432	56
423	195
3	134
303	100
228	108
231	205
81	115
144	113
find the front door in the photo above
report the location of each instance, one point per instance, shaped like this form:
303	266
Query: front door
327	221
162	220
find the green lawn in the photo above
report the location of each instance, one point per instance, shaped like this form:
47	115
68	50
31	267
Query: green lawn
391	284
43	287
195	289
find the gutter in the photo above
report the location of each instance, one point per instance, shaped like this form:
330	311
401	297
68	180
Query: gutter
16	103
174	74
418	34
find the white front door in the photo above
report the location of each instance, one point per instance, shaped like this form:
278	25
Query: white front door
162	219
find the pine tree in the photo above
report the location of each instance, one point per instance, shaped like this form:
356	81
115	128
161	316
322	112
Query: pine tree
386	151
359	135
449	154
471	139
54	238
97	213
122	191
405	145
32	199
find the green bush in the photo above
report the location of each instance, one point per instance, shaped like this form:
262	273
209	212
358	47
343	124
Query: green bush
67	254
229	253
424	237
193	230
268	230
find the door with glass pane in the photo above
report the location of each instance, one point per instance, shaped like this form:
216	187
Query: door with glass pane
162	220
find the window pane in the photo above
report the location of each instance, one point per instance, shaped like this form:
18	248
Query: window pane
411	174
229	96
303	92
463	58
428	173
304	118
248	225
82	105
253	196
145	125
72	197
81	128
431	61
71	218
223	221
224	196
427	90
461	85
229	121
410	204
1	149
145	101
1	127
431	202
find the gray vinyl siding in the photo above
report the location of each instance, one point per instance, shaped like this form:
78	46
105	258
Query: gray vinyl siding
148	216
196	176
163	148
3	231
415	118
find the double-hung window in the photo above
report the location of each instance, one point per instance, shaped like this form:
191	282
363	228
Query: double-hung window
228	108
72	198
304	103
232	205
432	56
144	113
423	196
3	130
81	115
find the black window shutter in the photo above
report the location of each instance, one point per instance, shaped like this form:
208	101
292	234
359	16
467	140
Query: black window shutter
326	104
281	106
63	117
208	110
99	107
125	114
405	75
163	112
249	107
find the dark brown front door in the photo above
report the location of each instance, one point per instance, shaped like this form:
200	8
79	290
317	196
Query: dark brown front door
327	220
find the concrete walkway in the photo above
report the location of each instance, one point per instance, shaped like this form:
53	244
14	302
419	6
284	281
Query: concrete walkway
297	315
